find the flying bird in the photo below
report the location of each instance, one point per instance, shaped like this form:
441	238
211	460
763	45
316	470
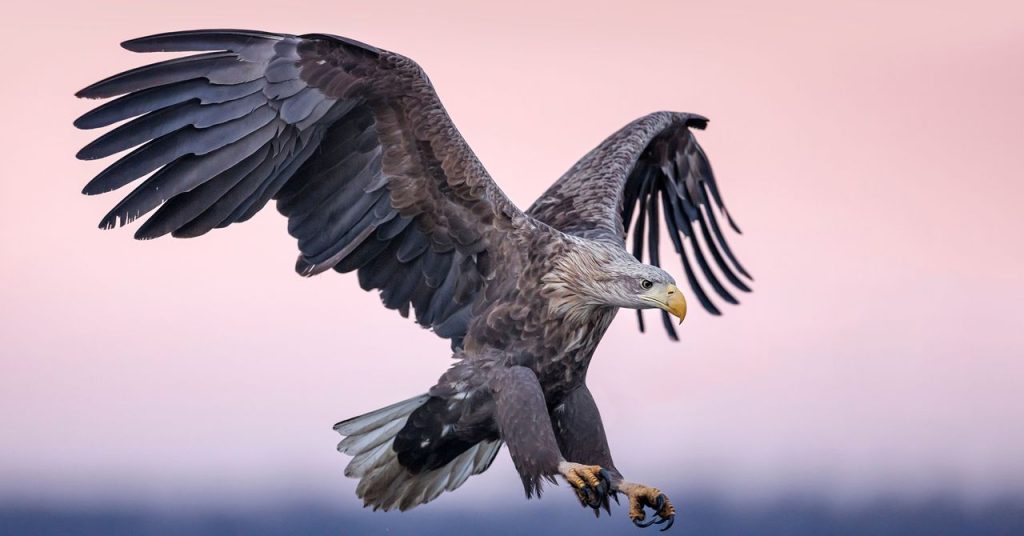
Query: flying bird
355	148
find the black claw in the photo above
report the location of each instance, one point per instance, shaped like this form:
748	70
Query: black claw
593	498
660	502
604	488
615	495
597	497
642	524
671	520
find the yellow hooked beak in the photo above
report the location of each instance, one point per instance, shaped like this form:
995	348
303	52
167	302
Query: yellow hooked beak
675	303
671	300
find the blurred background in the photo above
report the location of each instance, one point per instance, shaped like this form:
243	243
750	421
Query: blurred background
872	384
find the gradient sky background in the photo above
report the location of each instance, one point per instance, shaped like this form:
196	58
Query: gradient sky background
871	153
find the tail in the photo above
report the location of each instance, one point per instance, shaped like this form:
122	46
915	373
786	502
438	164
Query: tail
383	482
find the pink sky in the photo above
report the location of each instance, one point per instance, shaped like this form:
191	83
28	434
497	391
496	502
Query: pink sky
871	152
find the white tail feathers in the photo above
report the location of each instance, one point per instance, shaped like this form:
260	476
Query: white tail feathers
383	482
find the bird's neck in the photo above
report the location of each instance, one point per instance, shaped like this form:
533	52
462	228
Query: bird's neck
568	286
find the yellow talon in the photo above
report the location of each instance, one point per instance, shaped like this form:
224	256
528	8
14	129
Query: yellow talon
640	497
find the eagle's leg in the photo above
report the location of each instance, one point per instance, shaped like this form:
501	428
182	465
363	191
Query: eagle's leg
581	436
521	413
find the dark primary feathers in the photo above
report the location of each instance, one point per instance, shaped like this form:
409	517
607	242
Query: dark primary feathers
351	141
654	170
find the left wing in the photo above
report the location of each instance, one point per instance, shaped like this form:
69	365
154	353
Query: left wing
350	140
652	164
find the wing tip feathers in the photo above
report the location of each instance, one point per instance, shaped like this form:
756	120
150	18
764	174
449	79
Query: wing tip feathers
696	121
165	41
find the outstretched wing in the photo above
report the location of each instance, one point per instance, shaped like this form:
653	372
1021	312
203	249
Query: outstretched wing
651	168
350	140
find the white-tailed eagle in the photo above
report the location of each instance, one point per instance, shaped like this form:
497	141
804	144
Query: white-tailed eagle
355	148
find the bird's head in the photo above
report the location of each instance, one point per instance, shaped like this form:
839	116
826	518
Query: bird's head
636	285
614	278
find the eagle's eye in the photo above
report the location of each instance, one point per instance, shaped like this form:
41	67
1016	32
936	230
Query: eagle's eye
645	284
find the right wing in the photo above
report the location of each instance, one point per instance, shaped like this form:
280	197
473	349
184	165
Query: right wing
350	140
652	168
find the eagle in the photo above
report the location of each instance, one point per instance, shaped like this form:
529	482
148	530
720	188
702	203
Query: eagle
354	146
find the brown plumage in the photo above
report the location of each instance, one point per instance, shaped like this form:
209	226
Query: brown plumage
361	157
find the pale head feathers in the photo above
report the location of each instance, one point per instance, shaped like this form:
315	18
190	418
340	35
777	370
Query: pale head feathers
592	274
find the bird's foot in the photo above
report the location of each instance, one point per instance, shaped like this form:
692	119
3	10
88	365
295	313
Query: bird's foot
592	484
640	497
